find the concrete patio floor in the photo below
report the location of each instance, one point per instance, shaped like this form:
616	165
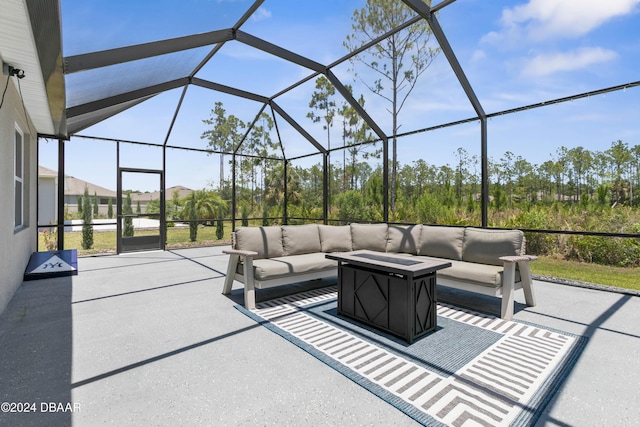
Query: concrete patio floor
148	339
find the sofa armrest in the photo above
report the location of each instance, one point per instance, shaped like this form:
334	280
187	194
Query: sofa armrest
518	258
525	278
234	258
240	252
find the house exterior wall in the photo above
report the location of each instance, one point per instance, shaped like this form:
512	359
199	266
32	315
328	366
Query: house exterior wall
16	244
47	200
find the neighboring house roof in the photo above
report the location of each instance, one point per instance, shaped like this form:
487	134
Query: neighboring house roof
46	172
182	192
146	197
75	186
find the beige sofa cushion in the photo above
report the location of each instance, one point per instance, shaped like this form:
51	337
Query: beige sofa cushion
441	242
479	274
267	241
404	238
300	239
265	269
369	236
335	238
486	246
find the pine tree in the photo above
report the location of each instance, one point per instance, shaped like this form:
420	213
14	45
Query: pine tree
87	228
220	226
398	61
245	215
110	208
95	204
128	220
224	135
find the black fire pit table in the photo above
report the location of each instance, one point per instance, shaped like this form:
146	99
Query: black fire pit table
391	292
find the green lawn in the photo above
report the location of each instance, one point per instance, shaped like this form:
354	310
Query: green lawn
621	277
629	278
104	242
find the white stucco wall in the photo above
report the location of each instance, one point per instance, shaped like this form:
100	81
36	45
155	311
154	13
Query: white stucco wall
16	245
47	200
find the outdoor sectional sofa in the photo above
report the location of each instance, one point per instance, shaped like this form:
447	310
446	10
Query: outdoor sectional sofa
490	262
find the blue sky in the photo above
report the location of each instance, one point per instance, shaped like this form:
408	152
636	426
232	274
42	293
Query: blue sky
514	53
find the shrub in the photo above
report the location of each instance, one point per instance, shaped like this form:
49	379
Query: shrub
430	210
350	204
50	239
605	250
536	218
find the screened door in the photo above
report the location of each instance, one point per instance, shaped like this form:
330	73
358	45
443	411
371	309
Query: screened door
141	225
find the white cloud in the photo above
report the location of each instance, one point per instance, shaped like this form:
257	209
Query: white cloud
541	24
261	14
478	55
550	63
544	19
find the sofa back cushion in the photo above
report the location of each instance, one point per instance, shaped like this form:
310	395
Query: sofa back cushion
404	238
300	239
267	241
486	246
369	236
335	238
441	242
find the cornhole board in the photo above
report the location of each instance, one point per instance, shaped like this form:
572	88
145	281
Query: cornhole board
45	265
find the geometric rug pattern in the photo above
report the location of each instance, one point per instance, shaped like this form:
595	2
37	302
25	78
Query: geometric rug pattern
506	380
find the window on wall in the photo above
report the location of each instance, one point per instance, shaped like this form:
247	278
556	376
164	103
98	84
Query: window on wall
18	178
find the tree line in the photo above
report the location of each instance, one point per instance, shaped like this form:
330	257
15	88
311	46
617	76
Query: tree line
576	189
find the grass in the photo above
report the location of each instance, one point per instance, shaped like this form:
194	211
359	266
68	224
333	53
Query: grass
621	277
104	242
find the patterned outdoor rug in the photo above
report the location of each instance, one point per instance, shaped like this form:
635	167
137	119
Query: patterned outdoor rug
474	368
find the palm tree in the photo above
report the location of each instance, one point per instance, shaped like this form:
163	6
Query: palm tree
201	204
